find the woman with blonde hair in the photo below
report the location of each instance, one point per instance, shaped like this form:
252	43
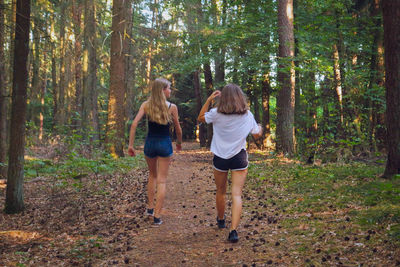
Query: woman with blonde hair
158	146
232	123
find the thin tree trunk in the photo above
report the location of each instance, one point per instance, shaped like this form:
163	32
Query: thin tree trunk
220	51
338	88
285	139
197	92
129	67
116	110
78	112
90	96
34	92
43	89
312	123
265	96
14	193
3	98
209	89
376	129
60	116
391	26
54	83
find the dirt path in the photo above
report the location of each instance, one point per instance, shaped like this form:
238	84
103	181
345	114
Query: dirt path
189	235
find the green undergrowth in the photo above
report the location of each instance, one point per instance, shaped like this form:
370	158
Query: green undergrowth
339	197
76	166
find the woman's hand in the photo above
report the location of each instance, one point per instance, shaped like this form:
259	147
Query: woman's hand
215	94
178	147
131	151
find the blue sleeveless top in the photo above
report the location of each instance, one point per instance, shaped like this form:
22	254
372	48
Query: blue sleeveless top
158	130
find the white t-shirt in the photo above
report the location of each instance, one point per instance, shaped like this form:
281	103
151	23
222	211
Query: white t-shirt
230	132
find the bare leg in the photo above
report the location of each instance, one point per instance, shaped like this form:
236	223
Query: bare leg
163	166
220	181
151	183
238	179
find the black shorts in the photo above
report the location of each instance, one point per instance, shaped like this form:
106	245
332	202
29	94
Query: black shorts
236	163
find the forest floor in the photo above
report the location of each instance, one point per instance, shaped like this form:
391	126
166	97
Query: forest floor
97	220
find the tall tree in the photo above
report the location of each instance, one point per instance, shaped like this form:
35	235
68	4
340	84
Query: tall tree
285	140
391	26
14	194
3	97
90	108
77	18
115	121
60	115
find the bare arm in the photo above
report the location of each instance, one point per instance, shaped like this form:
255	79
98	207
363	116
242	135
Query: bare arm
206	105
178	129
132	133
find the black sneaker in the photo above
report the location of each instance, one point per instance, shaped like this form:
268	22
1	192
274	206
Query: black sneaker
149	212
221	223
233	236
157	221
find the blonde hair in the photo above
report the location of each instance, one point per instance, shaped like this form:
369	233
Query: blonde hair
156	105
232	100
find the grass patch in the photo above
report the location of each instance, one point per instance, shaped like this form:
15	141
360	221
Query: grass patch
76	166
350	193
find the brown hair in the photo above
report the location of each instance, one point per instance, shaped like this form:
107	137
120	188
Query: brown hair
232	100
156	107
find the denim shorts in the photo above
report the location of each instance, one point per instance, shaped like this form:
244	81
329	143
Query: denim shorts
158	147
236	163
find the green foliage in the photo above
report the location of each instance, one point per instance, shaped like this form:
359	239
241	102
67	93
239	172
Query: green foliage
75	167
354	190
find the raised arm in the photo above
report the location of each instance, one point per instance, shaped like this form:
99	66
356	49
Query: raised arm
206	105
132	133
178	129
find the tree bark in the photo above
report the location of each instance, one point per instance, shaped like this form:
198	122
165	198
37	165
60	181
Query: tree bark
116	110
285	139
60	115
197	92
77	18
265	96
377	132
90	108
219	51
3	99
391	26
130	66
338	88
14	193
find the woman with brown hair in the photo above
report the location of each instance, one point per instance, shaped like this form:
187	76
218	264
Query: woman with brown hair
158	146
232	123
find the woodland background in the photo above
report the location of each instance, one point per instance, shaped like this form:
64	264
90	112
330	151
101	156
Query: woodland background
313	71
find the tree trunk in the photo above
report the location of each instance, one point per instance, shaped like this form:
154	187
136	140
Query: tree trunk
391	27
77	18
376	127
209	89
3	99
285	139
197	92
34	92
60	116
338	89
14	194
115	120
265	96
129	67
219	51
312	123
90	108
54	83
